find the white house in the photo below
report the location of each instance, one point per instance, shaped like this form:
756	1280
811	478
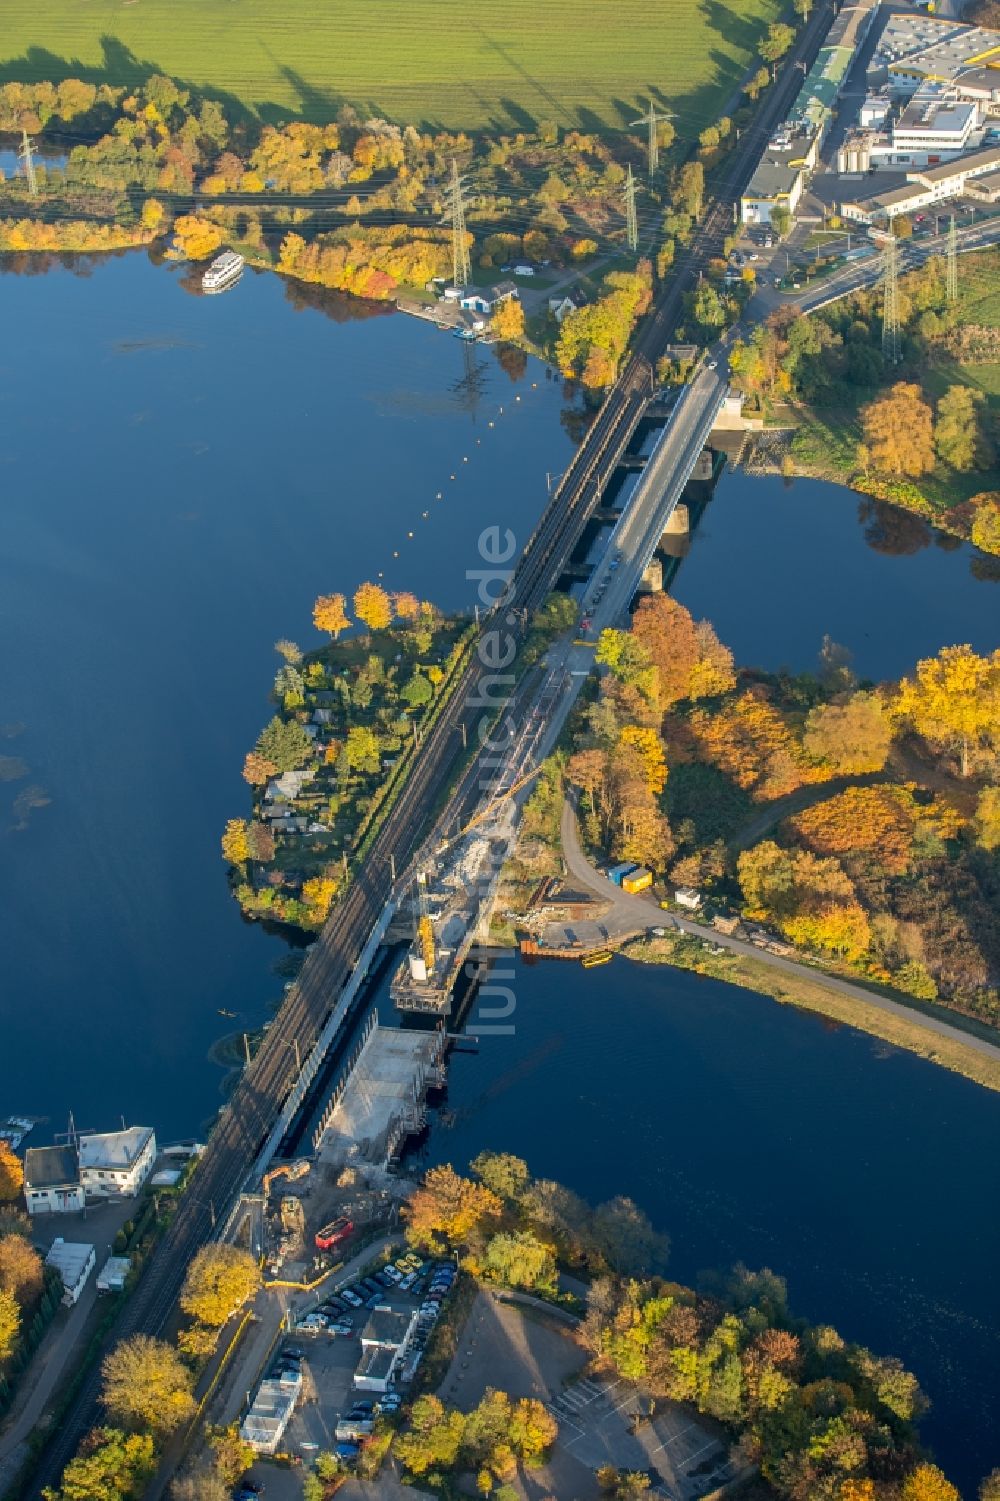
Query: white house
117	1163
74	1260
52	1180
383	1343
686	896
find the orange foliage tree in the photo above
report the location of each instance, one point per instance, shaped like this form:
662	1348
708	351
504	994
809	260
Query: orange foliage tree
449	1208
11	1174
330	614
373	606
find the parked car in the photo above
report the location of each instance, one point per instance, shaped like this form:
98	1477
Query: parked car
363	1404
351	1297
292	1352
407	1282
342	1328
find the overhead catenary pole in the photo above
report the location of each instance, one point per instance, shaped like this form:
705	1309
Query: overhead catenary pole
951	281
652	119
631	219
890	300
28	160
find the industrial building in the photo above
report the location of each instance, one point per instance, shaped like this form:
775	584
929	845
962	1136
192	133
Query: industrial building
383	1343
52	1180
975	174
115	1164
793	150
915	48
264	1425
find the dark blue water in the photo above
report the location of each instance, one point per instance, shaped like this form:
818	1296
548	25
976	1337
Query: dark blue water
753	1132
778	566
180	477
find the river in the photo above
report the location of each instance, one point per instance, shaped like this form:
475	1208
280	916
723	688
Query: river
181	476
753	1132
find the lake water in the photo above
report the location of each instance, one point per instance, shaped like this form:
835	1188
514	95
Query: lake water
776	566
180	477
753	1132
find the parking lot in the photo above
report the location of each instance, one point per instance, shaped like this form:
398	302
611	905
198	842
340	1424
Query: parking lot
381	1323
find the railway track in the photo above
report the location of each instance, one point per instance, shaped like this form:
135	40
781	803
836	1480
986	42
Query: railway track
247	1119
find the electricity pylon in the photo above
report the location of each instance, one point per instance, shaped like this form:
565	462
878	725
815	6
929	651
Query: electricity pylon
461	264
652	120
890	300
951	283
29	163
631	219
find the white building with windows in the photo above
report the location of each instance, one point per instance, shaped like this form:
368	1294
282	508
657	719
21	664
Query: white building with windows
116	1164
74	1260
52	1180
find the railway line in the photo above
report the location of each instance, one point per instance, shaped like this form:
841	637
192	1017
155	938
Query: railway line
248	1117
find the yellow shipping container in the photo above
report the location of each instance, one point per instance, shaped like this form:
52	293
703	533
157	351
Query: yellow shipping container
637	880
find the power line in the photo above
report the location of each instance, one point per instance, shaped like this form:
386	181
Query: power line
29	163
890	300
652	121
631	220
461	264
951	283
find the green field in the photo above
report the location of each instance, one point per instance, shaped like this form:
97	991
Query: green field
444	64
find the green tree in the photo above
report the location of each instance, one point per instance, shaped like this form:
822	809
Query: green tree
220	1279
109	1466
627	1240
777	42
960	435
285	743
689	189
505	1175
417	691
781	220
758	83
147	1385
519	1259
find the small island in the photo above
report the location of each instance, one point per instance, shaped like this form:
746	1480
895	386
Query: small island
330	760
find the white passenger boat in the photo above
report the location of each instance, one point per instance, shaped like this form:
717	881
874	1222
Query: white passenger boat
223	273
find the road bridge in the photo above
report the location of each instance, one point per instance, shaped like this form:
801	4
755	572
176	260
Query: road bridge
259	1107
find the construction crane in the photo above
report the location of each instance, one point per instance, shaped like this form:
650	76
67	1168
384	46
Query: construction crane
499	800
425	928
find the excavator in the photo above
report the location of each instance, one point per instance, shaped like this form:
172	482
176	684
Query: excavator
289	1170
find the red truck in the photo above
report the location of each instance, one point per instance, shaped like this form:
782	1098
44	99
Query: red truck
333	1233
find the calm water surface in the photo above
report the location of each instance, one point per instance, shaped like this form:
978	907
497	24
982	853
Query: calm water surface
750	1131
180	477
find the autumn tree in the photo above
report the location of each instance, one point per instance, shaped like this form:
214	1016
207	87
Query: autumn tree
362	748
373	606
986	523
988	819
11	1174
690	660
519	1259
289	650
232	1454
928	1483
220	1279
260	842
780	37
21	1270
406	605
10	1323
899	432
109	1466
448	1208
989	1487
849	737
196	237
508	320
960	434
235	846
330	614
503	1174
257	769
953	700
146	1384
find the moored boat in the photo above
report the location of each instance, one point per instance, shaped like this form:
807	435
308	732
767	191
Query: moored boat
224	272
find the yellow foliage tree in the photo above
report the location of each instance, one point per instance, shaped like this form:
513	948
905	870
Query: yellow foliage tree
928	1483
196	238
318	893
899	431
373	606
954	699
21	1271
235	843
10	1323
330	614
406	605
988	818
146	1383
986	523
647	743
220	1279
11	1174
508	320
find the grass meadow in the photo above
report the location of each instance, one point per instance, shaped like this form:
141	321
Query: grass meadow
457	66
